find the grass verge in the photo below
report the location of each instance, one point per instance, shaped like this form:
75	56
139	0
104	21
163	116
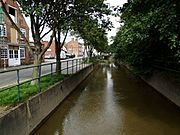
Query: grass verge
10	96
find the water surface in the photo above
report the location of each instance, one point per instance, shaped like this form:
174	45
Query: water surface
113	102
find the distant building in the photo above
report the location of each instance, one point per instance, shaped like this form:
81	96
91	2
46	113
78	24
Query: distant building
13	50
51	52
74	47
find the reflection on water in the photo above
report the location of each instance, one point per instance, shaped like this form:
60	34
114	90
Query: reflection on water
113	102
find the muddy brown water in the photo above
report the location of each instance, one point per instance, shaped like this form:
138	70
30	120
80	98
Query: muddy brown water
112	101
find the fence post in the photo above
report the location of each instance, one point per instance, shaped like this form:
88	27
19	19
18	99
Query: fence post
39	77
51	68
72	65
18	84
79	63
67	67
76	65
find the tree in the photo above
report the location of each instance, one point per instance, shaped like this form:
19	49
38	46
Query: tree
68	15
60	17
150	32
37	10
90	22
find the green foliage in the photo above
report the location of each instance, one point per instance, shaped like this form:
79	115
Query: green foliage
150	32
90	23
87	19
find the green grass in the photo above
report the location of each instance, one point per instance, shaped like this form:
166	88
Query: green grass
10	96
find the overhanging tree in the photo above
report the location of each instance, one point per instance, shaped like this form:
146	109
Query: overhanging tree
150	33
90	22
59	17
68	15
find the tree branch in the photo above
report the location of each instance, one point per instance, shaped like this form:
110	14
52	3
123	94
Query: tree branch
43	26
49	44
64	38
32	25
45	34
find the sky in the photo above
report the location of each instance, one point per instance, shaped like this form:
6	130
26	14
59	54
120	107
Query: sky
114	20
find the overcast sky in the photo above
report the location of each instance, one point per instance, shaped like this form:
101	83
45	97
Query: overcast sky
114	20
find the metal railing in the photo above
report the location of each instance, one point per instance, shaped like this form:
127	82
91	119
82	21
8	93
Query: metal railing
18	76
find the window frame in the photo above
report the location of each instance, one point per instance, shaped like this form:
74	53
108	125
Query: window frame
11	54
2	54
24	54
3	30
13	17
23	31
16	55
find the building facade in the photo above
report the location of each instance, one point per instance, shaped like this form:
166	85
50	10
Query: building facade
75	48
13	50
51	51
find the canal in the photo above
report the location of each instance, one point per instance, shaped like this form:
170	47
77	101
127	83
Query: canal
112	101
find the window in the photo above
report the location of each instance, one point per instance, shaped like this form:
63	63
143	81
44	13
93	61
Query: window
23	32
15	53
22	52
4	53
11	54
3	30
12	13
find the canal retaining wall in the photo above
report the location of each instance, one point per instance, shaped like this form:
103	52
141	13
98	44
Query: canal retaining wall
166	83
24	118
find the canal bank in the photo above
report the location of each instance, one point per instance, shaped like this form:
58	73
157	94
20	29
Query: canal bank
24	118
166	83
113	101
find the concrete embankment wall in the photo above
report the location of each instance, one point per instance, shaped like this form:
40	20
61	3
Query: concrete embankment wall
166	83
24	118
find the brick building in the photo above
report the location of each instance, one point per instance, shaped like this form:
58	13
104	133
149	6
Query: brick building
13	50
74	47
70	48
51	51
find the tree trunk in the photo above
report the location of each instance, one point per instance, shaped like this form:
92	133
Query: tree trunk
87	52
90	53
58	59
58	53
37	62
59	45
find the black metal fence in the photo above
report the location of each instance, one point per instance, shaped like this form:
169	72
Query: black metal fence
18	76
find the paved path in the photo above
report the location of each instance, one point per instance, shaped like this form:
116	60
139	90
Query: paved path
9	78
